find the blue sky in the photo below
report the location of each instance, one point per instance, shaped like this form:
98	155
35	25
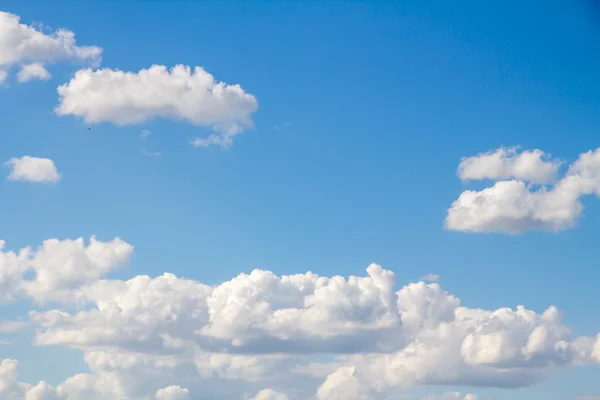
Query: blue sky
365	110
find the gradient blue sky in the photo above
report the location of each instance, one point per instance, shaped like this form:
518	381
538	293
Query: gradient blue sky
375	104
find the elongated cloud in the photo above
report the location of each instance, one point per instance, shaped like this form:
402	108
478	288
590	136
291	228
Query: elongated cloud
179	93
268	336
33	169
506	163
515	206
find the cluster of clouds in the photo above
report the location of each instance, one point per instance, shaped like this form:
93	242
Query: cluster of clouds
264	336
30	50
528	191
106	95
260	336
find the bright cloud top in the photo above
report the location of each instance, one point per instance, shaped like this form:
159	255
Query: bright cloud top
506	163
181	93
23	45
33	169
307	335
515	205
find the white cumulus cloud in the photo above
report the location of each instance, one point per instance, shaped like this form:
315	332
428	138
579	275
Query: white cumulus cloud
514	206
179	93
28	47
172	393
505	163
269	394
59	268
32	71
33	169
305	335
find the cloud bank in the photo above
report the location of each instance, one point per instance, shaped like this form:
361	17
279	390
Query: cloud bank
266	336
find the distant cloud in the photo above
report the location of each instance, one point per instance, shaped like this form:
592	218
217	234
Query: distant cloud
172	393
179	93
514	205
145	133
284	125
33	71
12	326
451	396
25	46
33	169
269	394
431	277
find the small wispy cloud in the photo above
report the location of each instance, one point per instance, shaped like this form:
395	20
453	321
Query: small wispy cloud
431	277
281	126
145	133
12	326
151	153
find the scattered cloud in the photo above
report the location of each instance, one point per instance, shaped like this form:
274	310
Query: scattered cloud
33	71
329	337
33	169
151	153
179	93
29	48
145	133
515	206
12	326
284	125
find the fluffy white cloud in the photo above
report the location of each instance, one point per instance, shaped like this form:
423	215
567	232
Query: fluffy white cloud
181	93
451	396
269	394
172	393
417	335
12	389
329	337
33	169
515	206
505	163
33	71
59	268
344	384
12	267
29	47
